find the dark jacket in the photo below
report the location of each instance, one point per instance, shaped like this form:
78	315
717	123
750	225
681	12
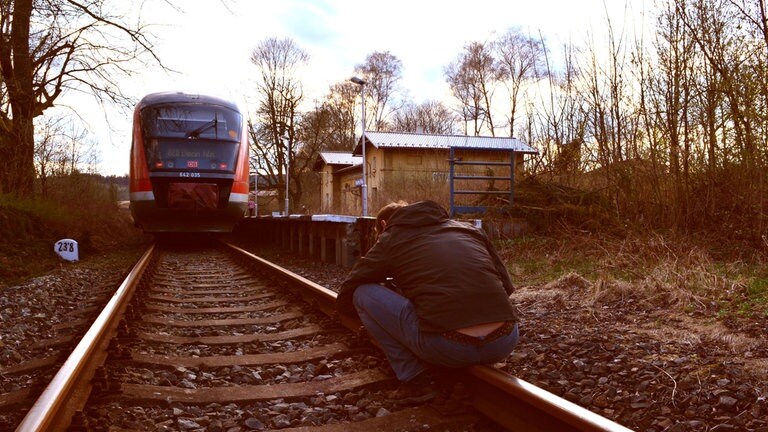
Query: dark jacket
448	269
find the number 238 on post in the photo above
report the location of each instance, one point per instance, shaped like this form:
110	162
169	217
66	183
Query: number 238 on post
66	249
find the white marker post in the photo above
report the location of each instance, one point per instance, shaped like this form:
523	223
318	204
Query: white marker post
66	249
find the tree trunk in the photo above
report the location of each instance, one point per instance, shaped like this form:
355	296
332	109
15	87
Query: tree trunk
21	145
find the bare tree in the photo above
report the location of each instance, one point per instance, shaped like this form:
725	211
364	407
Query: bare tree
431	117
472	77
49	47
611	98
382	71
335	119
50	154
559	123
668	105
62	150
273	132
521	58
731	35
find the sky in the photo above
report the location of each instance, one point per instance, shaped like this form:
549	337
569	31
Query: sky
208	44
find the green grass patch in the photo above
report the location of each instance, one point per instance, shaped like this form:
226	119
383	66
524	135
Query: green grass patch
757	291
757	294
536	259
752	302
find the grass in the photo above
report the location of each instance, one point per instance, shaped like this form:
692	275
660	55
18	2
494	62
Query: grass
758	291
77	209
692	276
539	259
754	302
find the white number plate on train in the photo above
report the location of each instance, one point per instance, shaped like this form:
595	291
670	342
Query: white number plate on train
188	174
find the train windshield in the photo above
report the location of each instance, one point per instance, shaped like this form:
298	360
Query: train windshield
191	136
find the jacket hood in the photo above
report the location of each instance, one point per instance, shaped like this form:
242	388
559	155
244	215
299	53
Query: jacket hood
418	214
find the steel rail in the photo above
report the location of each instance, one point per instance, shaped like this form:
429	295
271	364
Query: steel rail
69	389
511	402
534	409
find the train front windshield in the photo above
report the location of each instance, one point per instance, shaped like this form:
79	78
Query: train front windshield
186	137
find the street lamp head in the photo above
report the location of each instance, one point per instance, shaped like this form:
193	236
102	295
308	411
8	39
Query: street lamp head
357	81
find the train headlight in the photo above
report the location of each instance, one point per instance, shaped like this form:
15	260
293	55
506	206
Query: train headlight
169	164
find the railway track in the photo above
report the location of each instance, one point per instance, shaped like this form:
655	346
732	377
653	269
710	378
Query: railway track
216	339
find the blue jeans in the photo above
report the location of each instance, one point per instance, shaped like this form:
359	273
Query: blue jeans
391	319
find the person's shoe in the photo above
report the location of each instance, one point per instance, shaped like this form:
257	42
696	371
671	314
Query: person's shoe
453	400
424	379
419	389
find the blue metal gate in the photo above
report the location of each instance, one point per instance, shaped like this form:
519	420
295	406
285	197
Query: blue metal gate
505	196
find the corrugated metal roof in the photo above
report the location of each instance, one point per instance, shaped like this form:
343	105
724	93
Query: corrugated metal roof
336	158
414	140
340	158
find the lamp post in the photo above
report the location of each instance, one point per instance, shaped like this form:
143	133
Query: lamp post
287	143
364	186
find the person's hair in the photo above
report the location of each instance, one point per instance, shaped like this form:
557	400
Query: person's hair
386	212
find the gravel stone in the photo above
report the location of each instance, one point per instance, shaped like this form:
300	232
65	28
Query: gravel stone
634	363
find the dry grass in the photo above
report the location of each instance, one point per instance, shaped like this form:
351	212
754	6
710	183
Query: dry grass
690	281
79	208
668	288
651	271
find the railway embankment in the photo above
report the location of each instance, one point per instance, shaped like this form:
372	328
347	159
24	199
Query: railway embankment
653	333
656	333
28	232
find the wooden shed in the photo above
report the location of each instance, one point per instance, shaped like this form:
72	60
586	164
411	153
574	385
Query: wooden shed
413	166
337	173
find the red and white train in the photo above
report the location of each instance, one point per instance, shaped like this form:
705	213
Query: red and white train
189	164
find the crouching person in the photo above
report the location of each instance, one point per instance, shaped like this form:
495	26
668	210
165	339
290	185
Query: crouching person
451	307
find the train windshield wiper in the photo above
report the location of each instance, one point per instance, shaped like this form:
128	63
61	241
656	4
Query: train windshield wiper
211	124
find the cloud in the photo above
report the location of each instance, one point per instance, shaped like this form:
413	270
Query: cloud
312	23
